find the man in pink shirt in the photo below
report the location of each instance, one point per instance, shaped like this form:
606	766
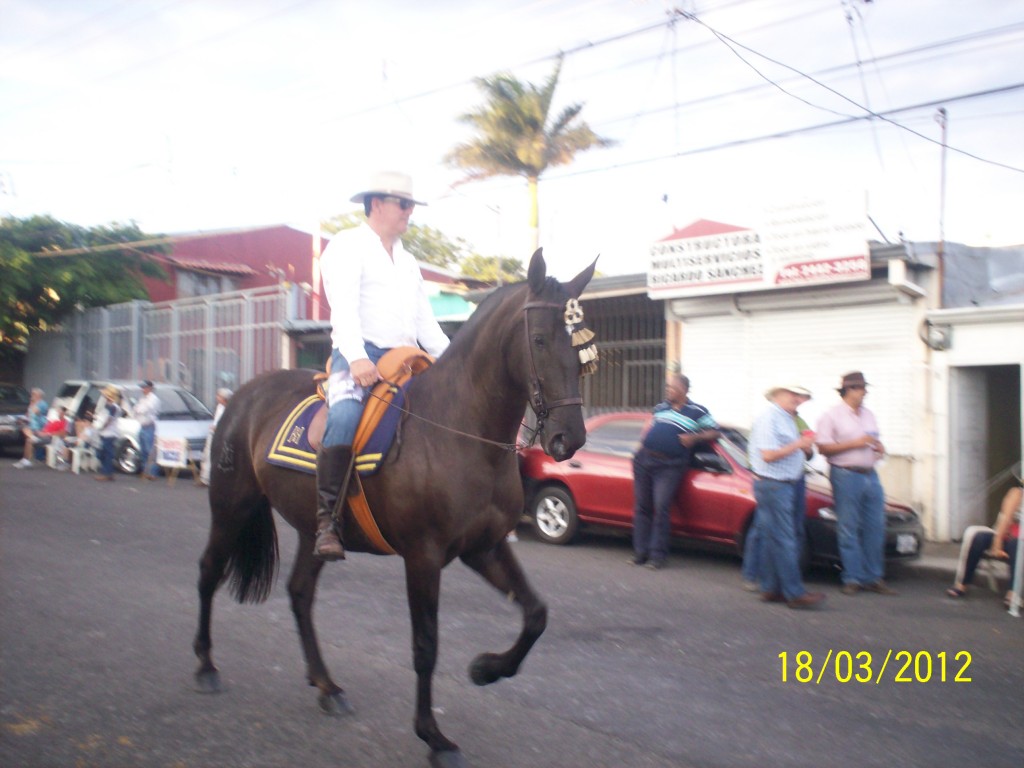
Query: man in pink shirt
848	437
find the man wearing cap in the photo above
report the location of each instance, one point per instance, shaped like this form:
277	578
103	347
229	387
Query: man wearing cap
146	412
848	438
776	451
378	302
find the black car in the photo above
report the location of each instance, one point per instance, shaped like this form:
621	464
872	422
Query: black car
13	407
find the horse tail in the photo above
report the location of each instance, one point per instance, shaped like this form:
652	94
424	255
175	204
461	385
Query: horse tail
252	563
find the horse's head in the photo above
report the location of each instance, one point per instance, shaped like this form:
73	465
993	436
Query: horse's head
559	351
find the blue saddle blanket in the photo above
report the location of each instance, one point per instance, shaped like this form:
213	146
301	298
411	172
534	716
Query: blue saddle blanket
291	448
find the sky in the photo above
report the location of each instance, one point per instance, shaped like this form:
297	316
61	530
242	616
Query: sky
202	115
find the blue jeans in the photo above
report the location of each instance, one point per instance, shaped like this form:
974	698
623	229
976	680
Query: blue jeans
780	560
860	507
107	456
147	436
978	539
655	483
752	547
343	415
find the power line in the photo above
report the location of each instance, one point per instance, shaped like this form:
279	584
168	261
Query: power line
810	129
870	113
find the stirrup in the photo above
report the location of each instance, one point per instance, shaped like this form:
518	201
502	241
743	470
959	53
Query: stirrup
330	556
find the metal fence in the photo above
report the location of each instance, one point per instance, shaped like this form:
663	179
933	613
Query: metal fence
201	343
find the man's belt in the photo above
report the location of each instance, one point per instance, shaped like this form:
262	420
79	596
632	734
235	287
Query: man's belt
774	479
660	455
858	470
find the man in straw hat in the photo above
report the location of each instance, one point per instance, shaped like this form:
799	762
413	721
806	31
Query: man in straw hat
751	572
108	411
777	450
848	438
378	302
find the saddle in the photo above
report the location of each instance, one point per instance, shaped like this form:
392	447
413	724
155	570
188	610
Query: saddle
297	440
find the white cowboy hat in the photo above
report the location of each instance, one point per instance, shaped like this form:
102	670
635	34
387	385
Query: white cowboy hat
796	390
389	183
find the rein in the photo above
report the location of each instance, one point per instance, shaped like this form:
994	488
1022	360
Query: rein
512	447
541	408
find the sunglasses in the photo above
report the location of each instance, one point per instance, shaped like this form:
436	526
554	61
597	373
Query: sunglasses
401	202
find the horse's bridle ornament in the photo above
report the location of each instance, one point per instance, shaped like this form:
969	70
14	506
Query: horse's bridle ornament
581	337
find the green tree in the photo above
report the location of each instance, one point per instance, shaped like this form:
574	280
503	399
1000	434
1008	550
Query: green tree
494	269
517	135
50	268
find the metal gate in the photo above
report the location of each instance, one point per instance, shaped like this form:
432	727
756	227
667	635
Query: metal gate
201	343
630	339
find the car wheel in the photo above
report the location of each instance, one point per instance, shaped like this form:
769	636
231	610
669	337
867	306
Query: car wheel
128	460
554	515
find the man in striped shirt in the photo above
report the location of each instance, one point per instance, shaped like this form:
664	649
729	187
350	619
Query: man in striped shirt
677	425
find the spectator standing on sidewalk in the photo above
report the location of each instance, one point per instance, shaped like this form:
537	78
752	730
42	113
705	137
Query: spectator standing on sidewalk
108	411
776	452
848	437
752	552
678	424
146	412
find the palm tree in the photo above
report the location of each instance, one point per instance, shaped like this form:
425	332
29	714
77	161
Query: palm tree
515	136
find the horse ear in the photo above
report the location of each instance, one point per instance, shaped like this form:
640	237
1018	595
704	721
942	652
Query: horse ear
538	271
577	284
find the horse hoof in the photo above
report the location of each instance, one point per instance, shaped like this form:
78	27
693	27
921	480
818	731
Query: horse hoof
336	704
448	759
484	669
208	682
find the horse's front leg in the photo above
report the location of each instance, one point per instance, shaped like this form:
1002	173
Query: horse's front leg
423	586
302	591
500	568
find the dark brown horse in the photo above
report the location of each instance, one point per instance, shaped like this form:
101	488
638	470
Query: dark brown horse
450	486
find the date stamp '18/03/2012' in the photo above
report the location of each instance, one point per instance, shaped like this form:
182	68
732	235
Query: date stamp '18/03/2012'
864	667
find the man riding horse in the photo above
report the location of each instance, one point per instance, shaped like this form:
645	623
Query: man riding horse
378	302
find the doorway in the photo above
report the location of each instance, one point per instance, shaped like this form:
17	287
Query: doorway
985	437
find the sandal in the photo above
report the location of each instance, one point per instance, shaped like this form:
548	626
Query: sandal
956	592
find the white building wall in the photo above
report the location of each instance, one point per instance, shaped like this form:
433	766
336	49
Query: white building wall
733	349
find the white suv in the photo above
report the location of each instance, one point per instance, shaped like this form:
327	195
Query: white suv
182	414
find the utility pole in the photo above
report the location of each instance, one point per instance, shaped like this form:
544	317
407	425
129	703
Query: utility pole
941	117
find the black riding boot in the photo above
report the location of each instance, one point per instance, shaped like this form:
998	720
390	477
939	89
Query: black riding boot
332	468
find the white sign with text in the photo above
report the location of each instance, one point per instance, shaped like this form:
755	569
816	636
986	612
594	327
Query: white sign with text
805	243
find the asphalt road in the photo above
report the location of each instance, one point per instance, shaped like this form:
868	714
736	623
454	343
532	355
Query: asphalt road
637	668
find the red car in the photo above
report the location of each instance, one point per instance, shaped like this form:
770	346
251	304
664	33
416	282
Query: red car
715	503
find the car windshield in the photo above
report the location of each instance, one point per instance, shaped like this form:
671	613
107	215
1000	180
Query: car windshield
175	404
734	442
619	437
69	390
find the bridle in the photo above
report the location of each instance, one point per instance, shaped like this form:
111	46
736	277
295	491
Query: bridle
581	339
540	406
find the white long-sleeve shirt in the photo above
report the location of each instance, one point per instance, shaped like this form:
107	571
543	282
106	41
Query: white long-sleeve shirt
147	409
375	298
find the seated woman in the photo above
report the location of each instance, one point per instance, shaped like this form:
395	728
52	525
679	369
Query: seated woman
999	543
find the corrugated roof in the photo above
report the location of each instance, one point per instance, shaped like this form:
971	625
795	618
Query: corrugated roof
220	267
702	228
